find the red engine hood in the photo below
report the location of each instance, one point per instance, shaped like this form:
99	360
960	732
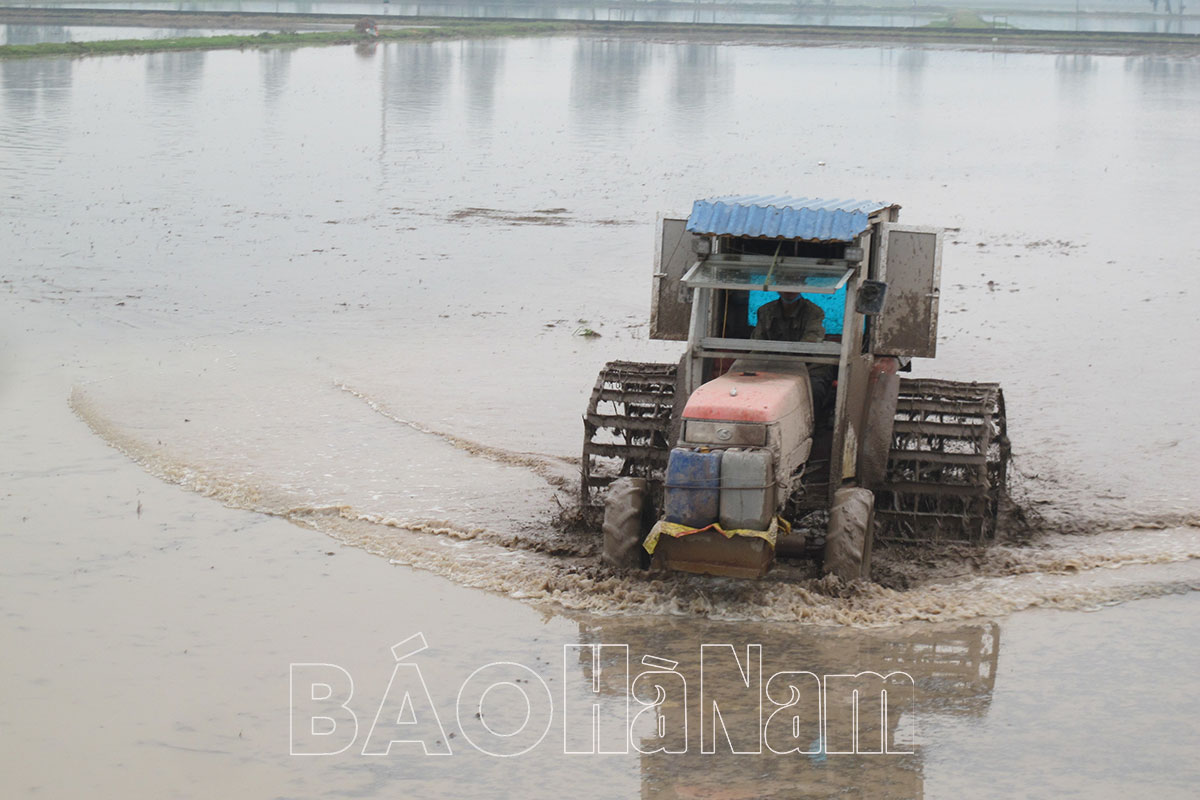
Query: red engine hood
760	397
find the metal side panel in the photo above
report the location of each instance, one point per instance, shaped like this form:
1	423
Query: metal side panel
843	456
911	263
671	306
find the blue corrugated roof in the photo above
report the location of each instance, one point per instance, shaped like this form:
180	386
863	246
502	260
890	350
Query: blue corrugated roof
783	217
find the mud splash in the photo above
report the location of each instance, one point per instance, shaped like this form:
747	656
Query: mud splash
542	563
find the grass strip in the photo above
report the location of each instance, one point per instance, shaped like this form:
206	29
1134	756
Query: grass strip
294	39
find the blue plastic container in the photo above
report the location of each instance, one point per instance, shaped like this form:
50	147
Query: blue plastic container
692	495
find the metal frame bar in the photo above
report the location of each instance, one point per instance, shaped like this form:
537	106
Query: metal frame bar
826	266
851	341
841	273
701	300
829	350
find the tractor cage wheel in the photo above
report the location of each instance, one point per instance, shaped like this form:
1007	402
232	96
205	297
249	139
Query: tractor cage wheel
947	471
628	428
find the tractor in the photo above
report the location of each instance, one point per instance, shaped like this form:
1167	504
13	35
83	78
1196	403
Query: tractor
710	464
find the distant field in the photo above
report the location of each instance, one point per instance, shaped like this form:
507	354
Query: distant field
958	27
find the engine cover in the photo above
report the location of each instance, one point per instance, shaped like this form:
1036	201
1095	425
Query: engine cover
744	398
764	397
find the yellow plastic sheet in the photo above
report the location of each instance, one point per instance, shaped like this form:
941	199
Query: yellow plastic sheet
675	530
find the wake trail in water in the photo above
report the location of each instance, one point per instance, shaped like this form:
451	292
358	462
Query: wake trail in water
537	562
1040	505
240	492
548	468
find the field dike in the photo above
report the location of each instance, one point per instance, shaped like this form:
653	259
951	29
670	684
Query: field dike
959	29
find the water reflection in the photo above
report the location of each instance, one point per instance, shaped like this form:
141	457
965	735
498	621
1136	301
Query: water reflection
1076	64
1076	75
910	74
416	78
1164	69
607	77
34	84
952	670
702	75
912	60
175	76
482	65
274	65
32	34
34	115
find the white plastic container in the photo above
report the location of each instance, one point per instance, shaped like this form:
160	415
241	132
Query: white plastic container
747	489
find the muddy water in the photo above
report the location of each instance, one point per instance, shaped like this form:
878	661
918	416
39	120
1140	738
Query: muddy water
395	359
343	290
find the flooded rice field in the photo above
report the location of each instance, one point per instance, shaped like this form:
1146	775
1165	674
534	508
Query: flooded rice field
292	370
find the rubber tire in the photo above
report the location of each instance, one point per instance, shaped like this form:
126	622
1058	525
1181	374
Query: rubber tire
850	534
623	509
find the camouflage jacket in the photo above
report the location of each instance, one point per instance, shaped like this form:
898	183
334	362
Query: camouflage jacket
798	321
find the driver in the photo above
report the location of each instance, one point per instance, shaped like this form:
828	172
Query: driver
792	318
